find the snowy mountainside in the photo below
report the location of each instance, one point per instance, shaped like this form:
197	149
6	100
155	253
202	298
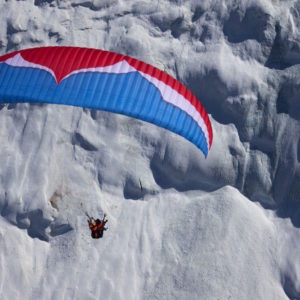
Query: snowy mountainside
225	227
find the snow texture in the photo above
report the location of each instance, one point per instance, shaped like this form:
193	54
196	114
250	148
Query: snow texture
180	226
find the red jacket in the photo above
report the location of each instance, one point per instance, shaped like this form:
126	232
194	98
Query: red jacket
97	229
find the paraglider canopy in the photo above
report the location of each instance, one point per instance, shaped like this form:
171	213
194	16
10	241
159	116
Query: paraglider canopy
107	81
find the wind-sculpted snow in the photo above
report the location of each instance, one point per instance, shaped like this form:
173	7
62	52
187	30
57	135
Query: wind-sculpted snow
221	251
242	60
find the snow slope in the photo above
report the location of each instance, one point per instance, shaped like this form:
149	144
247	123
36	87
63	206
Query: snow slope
222	228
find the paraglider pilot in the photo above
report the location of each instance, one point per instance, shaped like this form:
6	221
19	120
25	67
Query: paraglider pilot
97	227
